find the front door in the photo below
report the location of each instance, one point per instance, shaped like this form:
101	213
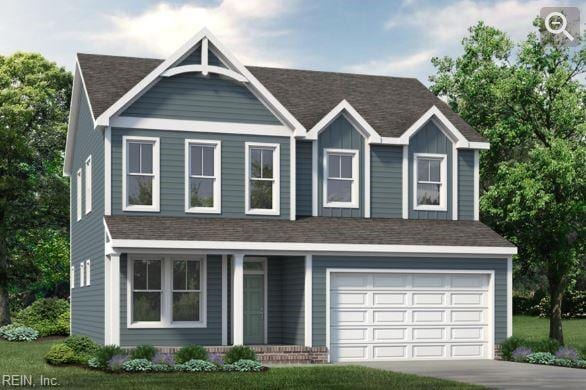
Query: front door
254	302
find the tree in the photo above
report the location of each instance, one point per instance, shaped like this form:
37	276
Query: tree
34	105
528	101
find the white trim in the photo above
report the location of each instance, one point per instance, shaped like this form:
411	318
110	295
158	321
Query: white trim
115	299
293	179
238	299
479	145
509	296
491	294
72	277
155	207
82	274
159	124
204	69
204	54
276	209
304	247
107	301
405	183
367	210
355	201
346	109
308	300
88	184
264	272
217	188
108	171
476	185
224	300
88	269
444	124
79	189
454	182
443	206
314	178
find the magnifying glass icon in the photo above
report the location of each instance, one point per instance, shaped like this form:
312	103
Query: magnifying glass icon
556	23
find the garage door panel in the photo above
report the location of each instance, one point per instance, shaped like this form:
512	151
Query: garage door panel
390	281
427	316
360	281
469	281
389	351
386	316
469	316
381	299
349	299
428	299
388	334
469	351
429	351
355	352
349	316
468	299
429	281
468	333
428	334
350	335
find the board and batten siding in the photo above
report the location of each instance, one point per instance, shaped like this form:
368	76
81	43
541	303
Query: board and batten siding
173	337
172	182
88	235
465	184
304	178
322	263
340	134
386	181
430	139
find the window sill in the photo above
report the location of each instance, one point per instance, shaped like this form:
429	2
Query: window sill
203	210
149	209
430	208
341	205
262	212
162	325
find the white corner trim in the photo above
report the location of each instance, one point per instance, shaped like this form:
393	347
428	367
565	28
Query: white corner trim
367	210
346	109
204	69
355	202
217	189
476	185
455	163
224	300
405	182
276	209
293	179
443	206
238	299
88	190
510	296
108	171
79	191
308	300
314	177
155	207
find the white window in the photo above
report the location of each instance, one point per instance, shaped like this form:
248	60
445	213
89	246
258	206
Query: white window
78	193
341	178
87	272
88	185
72	277
429	184
166	291
203	176
82	274
262	186
140	183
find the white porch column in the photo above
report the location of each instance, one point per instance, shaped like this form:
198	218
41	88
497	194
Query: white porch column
224	300
308	300
237	299
112	299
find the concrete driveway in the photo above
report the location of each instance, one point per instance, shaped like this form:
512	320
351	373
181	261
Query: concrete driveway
492	373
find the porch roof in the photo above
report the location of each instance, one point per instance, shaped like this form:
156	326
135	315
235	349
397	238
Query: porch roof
309	230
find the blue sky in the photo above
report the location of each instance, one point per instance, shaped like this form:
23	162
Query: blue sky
365	36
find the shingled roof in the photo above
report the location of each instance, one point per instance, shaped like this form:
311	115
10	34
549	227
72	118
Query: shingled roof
310	230
389	104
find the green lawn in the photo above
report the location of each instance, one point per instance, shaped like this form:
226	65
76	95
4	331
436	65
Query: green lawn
535	328
27	359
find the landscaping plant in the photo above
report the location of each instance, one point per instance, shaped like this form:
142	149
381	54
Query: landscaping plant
196	365
143	352
239	352
541	358
162	358
191	352
116	362
520	354
15	332
60	354
246	365
567	353
48	316
105	353
137	365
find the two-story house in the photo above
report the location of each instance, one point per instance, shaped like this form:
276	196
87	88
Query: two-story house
219	204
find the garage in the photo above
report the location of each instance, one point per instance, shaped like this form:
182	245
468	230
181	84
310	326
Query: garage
409	315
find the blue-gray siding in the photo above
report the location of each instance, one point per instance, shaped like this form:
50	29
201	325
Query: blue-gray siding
340	134
210	335
194	58
466	184
304	178
87	235
172	150
430	139
191	96
386	181
321	263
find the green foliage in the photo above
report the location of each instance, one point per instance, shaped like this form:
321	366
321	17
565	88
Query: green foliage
60	354
510	345
137	365
239	352
160	367
191	352
246	365
541	358
573	305
143	352
93	363
196	365
105	353
83	346
49	316
15	332
515	343
117	362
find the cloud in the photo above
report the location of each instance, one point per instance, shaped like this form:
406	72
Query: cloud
395	65
245	27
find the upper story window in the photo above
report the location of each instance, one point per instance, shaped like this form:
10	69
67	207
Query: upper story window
203	183
88	185
140	187
78	194
341	180
262	179
82	274
430	187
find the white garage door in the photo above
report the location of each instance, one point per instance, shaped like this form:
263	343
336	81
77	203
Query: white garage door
393	316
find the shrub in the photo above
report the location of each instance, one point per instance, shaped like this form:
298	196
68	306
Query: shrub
520	354
567	353
93	363
511	344
196	365
239	352
157	367
541	358
573	305
164	358
143	352
580	364
137	365
105	353
49	316
117	361
191	352
14	332
545	345
563	362
60	354
81	344
229	367
246	365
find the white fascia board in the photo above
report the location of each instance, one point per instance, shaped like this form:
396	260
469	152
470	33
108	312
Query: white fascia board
130	122
479	145
311	247
353	117
204	69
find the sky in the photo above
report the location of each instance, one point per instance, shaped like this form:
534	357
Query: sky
390	37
